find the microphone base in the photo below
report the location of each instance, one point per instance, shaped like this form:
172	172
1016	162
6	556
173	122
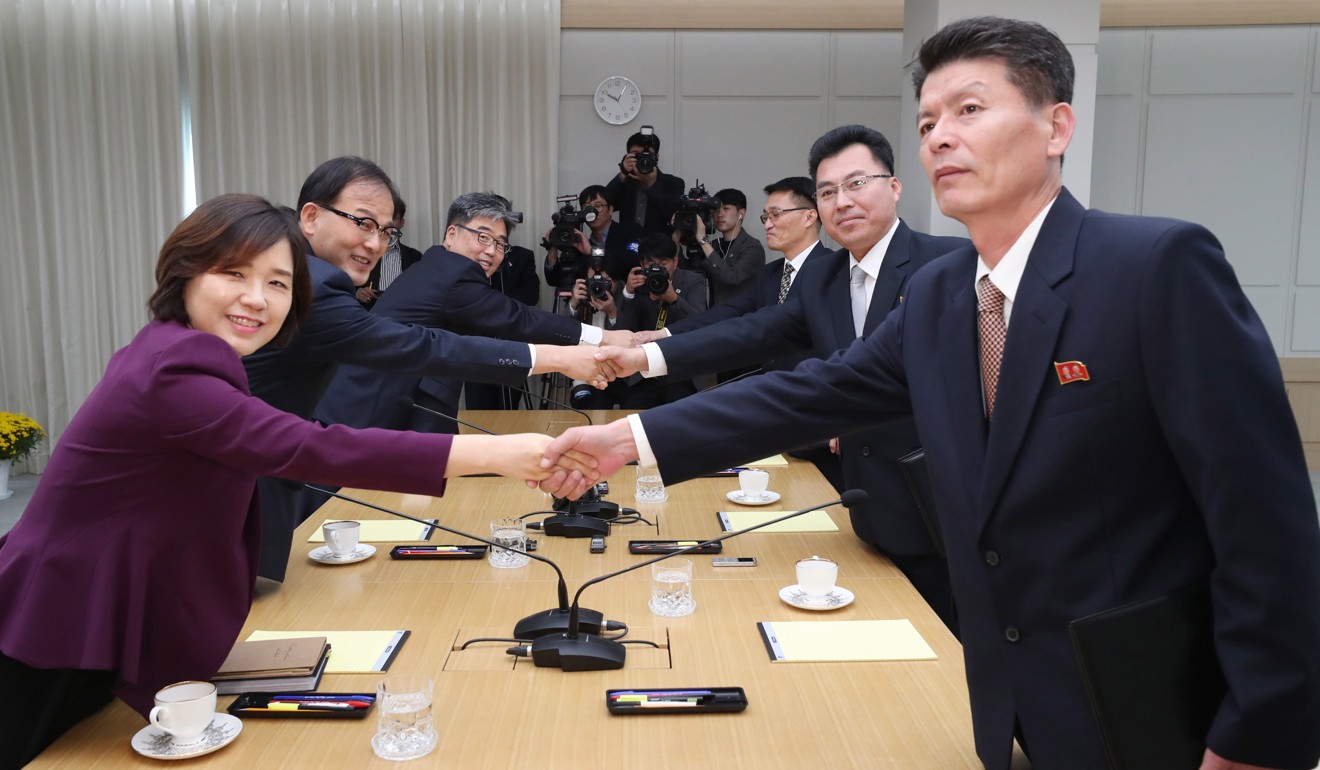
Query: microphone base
574	525
584	652
556	622
598	509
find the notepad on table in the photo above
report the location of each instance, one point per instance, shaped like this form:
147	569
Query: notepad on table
355	652
382	531
843	640
815	521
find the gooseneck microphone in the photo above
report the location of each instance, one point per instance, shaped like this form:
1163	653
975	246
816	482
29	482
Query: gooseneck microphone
406	401
532	626
559	404
574	650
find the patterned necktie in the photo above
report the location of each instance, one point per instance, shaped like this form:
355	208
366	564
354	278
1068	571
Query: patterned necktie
857	287
993	333
785	282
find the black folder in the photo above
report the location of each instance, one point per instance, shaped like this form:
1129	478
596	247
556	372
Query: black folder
1153	678
913	465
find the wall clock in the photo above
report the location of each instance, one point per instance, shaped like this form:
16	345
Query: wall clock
617	100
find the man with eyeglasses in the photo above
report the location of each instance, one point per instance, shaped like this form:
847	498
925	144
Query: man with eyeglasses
346	210
618	239
837	299
450	289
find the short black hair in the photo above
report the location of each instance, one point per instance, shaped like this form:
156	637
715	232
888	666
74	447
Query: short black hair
324	185
656	246
591	191
730	196
799	187
836	140
644	140
1038	62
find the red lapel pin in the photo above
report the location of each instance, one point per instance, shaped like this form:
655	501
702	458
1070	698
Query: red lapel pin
1071	371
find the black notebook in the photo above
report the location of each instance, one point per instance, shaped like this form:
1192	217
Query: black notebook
913	465
1153	678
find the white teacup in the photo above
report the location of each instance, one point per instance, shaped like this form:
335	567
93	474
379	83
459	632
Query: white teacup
184	710
754	483
816	576
342	536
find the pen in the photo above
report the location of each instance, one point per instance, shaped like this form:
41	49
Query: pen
277	705
659	693
361	704
328	696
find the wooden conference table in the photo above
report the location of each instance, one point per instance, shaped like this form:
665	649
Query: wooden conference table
495	711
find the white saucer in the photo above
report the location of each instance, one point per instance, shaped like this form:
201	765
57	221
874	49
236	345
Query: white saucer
327	556
836	598
151	741
766	498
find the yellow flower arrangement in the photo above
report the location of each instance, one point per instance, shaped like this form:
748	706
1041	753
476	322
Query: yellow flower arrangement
19	436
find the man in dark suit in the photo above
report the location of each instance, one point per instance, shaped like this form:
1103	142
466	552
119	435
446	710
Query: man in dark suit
645	195
449	289
1103	416
346	211
828	309
618	240
516	278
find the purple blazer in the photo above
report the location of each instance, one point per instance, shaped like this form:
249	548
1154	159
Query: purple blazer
138	551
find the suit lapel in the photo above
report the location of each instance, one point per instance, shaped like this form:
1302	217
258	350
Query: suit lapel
840	302
1033	334
893	271
961	371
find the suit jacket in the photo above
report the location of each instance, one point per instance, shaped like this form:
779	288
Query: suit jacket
816	320
516	276
662	200
448	291
764	293
641	312
138	551
339	330
733	266
1177	461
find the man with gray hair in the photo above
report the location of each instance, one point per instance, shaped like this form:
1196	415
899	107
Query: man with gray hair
450	289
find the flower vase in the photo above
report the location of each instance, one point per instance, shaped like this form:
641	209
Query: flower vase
5	491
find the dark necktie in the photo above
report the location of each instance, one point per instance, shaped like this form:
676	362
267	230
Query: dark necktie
993	332
785	282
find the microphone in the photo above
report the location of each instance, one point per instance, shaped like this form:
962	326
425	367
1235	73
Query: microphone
573	650
407	401
559	404
532	626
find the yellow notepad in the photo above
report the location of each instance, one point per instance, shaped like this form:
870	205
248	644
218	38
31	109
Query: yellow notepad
773	460
380	531
843	640
815	521
351	652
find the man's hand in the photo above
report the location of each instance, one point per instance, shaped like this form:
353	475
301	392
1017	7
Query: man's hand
622	361
579	293
1212	761
578	362
670	295
606	306
701	231
834	446
366	295
635	280
583	245
619	338
650	335
611	446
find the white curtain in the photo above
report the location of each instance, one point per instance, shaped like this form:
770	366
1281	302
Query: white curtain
90	180
447	96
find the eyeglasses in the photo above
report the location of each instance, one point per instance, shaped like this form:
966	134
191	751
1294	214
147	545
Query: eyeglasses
367	226
773	214
599	207
850	186
487	240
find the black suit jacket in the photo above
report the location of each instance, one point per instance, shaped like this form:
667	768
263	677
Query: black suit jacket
448	291
408	256
662	200
1176	460
764	293
816	320
339	330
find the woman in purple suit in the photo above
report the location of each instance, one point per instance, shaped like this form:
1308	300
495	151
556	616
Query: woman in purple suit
134	563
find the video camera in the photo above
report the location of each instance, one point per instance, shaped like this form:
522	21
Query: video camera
697	204
568	222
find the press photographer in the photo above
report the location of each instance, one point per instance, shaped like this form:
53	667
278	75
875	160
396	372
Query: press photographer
644	195
591	300
729	256
569	248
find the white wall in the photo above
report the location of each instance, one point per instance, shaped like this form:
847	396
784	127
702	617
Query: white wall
1215	125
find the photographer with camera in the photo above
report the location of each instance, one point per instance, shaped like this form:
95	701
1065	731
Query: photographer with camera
592	301
641	192
654	295
731	259
568	248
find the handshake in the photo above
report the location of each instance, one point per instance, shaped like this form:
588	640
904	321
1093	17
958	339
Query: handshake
564	467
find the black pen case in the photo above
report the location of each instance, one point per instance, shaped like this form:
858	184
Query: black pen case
675	700
252	705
